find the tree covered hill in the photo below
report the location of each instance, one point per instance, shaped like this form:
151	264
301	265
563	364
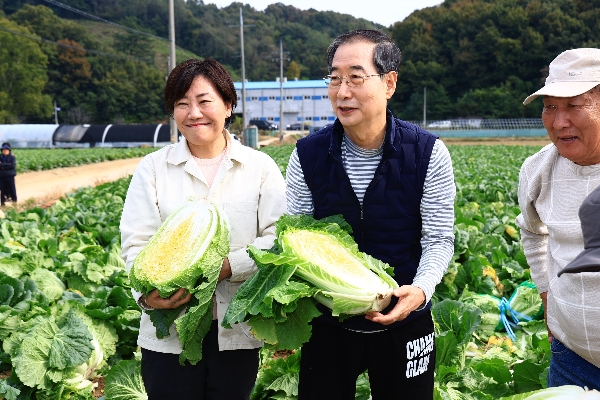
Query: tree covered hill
483	57
476	57
120	76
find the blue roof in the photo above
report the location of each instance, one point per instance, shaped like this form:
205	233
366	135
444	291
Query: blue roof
319	83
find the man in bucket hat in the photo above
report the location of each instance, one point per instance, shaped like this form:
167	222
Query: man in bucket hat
553	184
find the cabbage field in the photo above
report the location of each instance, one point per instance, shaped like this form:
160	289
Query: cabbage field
44	159
68	323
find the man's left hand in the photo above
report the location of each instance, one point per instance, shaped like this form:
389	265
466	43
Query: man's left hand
409	299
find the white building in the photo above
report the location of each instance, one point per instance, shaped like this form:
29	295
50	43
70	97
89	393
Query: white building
303	101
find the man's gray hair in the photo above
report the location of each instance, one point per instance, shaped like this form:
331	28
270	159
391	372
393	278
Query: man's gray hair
386	56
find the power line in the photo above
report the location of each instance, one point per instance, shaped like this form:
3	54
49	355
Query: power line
219	40
73	47
85	14
80	12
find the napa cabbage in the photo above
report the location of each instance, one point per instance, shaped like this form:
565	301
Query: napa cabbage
312	260
526	302
490	312
60	355
565	392
187	251
48	283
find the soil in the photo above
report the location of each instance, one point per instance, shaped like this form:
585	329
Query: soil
43	188
288	138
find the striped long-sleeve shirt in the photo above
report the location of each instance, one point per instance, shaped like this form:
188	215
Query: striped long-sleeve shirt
437	203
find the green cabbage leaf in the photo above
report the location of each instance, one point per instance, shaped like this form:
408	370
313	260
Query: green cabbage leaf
124	381
490	312
312	260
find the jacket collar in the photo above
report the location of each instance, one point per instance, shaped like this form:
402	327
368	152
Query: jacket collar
335	147
181	152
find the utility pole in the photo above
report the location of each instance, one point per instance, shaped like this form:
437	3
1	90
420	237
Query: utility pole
172	60
244	118
424	106
56	109
244	111
281	87
280	91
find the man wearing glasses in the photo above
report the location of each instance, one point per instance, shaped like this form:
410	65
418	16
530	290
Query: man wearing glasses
393	183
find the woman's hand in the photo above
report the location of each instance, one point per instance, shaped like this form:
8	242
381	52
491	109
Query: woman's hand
177	299
225	270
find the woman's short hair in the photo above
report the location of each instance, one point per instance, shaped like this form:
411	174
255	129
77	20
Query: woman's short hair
181	77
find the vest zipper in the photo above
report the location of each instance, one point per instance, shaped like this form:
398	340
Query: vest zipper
362	225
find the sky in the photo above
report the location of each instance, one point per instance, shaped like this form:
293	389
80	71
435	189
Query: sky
384	12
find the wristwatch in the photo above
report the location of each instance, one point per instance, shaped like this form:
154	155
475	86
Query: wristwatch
143	305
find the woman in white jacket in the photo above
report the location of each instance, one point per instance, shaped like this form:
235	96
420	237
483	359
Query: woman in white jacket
247	185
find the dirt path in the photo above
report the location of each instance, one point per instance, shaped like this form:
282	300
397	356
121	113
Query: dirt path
43	187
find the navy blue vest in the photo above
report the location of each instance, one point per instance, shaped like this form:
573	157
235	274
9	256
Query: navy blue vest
388	225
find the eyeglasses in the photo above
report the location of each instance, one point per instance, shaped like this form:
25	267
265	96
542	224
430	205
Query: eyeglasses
353	80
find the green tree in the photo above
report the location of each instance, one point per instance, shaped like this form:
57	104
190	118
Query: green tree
69	71
502	101
125	91
135	44
293	70
439	105
42	20
22	76
97	88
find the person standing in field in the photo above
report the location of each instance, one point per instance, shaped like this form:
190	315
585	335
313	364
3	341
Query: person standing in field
248	186
553	184
8	171
394	184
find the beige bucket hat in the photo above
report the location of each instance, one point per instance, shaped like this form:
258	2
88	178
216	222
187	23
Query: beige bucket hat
572	72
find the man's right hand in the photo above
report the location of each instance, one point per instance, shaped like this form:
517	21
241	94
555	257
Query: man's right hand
544	297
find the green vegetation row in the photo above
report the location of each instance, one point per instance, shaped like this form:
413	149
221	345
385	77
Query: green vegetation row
43	159
63	286
87	293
